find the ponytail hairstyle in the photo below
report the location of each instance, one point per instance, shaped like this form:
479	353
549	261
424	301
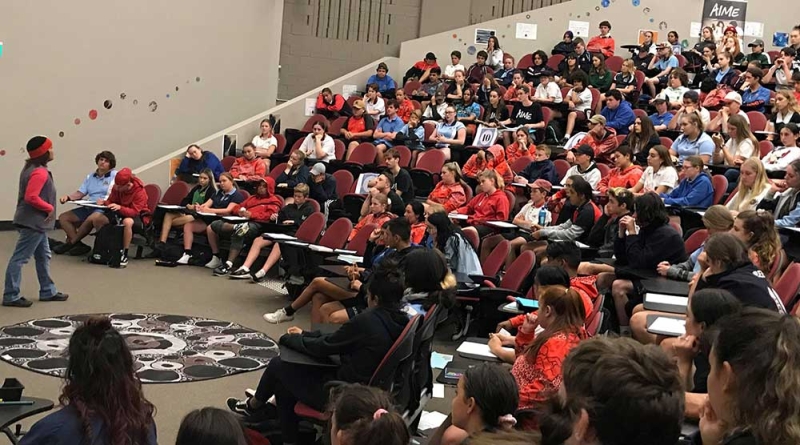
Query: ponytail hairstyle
762	350
426	272
764	239
230	178
495	392
570	316
212	185
365	415
718	218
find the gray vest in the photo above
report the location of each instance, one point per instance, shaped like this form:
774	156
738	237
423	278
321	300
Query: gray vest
28	216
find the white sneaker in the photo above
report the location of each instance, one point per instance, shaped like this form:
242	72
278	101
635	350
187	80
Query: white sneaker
278	316
214	263
184	259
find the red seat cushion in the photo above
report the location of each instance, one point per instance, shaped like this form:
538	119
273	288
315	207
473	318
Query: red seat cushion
303	410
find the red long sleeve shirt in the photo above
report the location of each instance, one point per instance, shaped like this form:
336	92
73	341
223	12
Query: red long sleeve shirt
36	181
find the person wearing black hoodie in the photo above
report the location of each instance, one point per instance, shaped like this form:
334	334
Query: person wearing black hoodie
541	168
361	344
321	185
642	242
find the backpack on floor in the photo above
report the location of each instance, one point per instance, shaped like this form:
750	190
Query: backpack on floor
107	248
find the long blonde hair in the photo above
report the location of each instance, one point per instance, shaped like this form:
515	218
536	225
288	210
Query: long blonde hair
747	194
743	131
790	99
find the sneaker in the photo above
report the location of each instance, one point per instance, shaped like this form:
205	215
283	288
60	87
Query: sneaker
123	260
222	270
278	316
240	407
259	277
240	274
79	249
184	259
61	249
59	296
19	302
214	263
241	229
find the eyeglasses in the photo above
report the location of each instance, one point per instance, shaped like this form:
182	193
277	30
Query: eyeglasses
688	166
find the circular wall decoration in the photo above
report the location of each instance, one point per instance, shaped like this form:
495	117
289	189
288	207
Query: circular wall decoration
108	104
77	121
92	114
471	50
153	106
2	152
197	79
165	348
135	101
122	96
61	134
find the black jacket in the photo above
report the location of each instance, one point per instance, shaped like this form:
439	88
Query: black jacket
188	198
748	284
294	213
563	48
297	175
361	343
651	246
322	191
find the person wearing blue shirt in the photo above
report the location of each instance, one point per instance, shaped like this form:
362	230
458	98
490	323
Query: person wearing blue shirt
387	129
386	85
693	141
755	96
618	112
695	190
95	187
197	160
782	198
662	65
414	133
662	117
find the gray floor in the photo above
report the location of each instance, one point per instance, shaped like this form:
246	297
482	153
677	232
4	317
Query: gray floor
143	287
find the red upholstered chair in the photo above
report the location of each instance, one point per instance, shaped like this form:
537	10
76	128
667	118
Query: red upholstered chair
665	141
604	170
339	149
595	97
765	147
614	63
525	62
731	195
227	162
521	163
681	60
758	122
720	183
313	120
547	115
277	170
405	155
788	285
175	193
352	100
593	327
336	234
554	61
310	229
153	196
425	174
778	265
494	262
245	194
473	238
429	127
313	203
695	240
639	112
677	226
561	168
281	146
511	201
336	126
363	154
621	138
359	242
344	182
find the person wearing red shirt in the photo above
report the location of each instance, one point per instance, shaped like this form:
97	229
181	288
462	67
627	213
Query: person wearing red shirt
128	201
603	43
522	146
332	105
357	128
491	204
422	69
625	173
259	209
404	105
601	138
248	167
449	191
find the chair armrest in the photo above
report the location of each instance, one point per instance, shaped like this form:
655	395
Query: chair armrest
498	293
477	278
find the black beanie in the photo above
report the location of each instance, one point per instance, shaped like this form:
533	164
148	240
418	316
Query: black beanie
35	142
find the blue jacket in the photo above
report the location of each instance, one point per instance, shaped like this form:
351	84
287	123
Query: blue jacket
621	118
540	170
209	160
64	427
697	193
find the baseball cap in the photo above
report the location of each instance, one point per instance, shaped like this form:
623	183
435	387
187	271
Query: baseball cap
598	119
123	176
430	56
541	184
318	169
358	104
733	96
664	45
731	29
585	149
659	101
756	42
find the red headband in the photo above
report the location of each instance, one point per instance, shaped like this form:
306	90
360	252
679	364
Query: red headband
47	145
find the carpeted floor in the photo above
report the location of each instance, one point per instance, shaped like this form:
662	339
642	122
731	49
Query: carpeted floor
145	288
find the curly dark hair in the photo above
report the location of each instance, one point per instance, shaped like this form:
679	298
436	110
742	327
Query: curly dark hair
101	365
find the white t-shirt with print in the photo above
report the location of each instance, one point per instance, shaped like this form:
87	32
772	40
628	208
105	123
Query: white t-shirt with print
585	97
530	213
666	176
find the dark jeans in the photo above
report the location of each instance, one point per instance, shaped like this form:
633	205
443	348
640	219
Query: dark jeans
291	383
732	175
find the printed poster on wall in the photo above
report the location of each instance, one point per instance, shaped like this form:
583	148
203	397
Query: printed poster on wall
580	29
719	14
482	36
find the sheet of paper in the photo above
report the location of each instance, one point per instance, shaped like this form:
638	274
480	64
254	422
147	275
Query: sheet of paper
673	325
580	29
754	29
317	248
82	202
297	243
206	214
311	104
279	236
793	229
234	218
581	245
345	251
438	391
666	299
501	224
527	31
695	29
504	332
478	349
170	207
350	258
349	90
430	420
458	216
439	361
511	307
519	184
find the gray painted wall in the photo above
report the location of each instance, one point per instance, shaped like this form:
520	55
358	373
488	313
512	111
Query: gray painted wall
62	59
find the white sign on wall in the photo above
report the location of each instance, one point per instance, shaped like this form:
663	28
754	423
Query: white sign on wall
349	90
311	105
754	29
580	29
527	31
482	35
695	29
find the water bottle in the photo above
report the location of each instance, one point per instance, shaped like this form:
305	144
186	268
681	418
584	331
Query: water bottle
542	217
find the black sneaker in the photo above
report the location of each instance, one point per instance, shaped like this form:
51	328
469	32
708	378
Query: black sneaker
123	260
19	302
63	248
60	296
222	270
241	407
79	249
258	279
240	274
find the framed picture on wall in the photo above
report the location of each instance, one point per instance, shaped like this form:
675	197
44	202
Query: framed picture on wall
229	147
482	35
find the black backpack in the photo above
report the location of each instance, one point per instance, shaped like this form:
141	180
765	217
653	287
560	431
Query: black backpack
107	248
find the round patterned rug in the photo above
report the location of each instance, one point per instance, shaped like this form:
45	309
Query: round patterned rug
166	348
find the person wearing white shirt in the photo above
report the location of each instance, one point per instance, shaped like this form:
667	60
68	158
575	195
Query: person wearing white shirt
579	99
265	143
318	145
741	145
691	104
753	187
780	157
732	106
584	167
450	70
548	92
375	105
495	59
676	88
660	175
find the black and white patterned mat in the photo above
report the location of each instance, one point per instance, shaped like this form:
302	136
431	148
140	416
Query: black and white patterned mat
166	348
